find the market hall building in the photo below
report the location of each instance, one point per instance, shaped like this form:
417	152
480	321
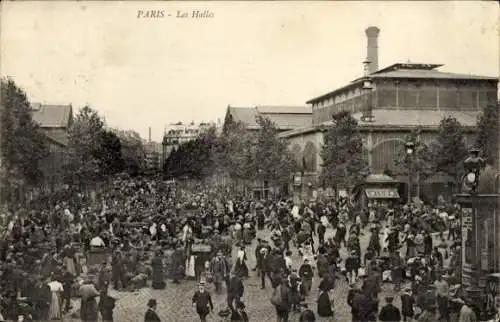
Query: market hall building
388	104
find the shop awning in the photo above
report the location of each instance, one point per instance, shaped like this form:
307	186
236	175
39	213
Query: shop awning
382	193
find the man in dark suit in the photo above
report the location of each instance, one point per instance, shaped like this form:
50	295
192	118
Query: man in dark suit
265	266
203	302
235	290
151	315
389	313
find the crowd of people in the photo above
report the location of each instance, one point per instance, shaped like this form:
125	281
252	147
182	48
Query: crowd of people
139	231
419	274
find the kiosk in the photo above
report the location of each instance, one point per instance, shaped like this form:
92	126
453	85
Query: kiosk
376	187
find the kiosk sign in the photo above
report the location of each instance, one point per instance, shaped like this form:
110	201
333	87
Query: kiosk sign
382	193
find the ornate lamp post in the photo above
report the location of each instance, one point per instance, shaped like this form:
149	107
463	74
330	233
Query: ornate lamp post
471	264
473	165
410	152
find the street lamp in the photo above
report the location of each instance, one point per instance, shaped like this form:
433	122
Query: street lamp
410	151
470	182
473	165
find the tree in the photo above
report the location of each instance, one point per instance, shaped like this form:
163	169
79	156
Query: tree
109	153
420	162
344	164
194	159
206	145
449	151
487	135
171	165
132	150
273	160
235	152
23	143
83	164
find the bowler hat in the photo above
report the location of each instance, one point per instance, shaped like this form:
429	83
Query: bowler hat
152	303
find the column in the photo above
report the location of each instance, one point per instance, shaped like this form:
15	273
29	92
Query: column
369	148
396	84
437	97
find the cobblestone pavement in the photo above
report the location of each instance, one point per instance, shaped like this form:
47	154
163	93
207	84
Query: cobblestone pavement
174	302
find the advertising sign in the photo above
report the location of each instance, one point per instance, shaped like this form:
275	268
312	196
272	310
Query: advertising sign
467	236
373	193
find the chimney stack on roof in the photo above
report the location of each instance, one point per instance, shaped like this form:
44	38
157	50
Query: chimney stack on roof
371	62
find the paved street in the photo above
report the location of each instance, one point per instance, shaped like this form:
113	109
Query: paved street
174	303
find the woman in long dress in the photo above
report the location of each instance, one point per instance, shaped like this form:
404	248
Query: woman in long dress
158	276
106	306
69	260
190	271
385	238
88	308
247	237
55	304
324	304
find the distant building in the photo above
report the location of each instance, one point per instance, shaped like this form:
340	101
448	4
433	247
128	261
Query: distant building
285	117
153	155
178	133
54	121
388	104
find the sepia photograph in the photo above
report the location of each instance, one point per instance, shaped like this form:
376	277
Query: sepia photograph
288	161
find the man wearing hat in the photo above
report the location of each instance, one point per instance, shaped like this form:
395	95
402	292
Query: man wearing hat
352	264
235	290
203	302
220	270
265	264
151	315
258	257
389	313
407	303
443	293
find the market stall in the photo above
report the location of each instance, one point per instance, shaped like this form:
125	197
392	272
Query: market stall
378	188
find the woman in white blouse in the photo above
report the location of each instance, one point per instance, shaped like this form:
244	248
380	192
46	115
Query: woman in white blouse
55	305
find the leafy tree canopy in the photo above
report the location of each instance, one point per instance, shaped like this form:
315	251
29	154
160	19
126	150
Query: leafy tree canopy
109	154
193	159
487	135
273	160
235	151
23	143
449	150
344	163
132	150
83	165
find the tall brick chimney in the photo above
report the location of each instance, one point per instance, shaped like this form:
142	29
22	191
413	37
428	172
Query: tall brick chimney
372	48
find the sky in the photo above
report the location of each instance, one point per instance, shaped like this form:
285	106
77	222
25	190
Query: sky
141	72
